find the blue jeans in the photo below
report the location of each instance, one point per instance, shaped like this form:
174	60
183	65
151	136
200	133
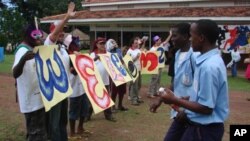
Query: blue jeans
57	124
234	69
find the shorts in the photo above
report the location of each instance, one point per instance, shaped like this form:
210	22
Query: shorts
78	107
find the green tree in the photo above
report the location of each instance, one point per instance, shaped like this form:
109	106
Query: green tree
42	8
11	25
15	14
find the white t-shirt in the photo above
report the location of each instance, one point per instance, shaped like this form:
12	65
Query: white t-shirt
64	54
153	48
164	46
76	85
133	53
27	85
235	56
103	72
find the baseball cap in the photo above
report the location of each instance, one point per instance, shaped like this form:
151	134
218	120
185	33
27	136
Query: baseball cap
156	38
53	26
68	40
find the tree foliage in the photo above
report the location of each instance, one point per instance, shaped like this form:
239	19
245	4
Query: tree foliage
15	14
42	8
11	24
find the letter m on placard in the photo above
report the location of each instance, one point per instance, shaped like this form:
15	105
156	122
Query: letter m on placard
149	62
52	76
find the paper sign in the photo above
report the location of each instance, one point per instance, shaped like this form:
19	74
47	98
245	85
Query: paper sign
52	76
149	62
134	73
92	82
161	57
115	69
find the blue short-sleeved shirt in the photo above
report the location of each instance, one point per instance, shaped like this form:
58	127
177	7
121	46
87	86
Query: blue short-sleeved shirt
211	88
184	71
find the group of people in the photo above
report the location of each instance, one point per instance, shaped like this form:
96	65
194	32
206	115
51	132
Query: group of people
52	125
198	94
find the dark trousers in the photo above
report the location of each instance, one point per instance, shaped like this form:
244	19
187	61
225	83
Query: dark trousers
234	69
108	112
211	132
175	131
57	124
194	132
36	127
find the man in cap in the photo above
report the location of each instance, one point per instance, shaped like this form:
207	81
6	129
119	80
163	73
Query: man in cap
155	80
57	116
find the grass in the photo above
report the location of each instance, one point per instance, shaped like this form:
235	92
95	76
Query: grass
238	84
6	65
10	123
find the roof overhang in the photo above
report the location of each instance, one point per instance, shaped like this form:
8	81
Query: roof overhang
84	4
228	20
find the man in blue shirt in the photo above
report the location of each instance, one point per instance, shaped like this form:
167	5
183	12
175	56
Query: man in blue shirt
208	107
183	79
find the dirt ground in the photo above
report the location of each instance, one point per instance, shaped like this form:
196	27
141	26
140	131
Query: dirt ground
9	112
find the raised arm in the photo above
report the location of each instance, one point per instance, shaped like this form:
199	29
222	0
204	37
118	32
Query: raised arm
58	29
168	38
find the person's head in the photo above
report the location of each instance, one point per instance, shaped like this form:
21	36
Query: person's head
72	44
32	35
204	34
61	34
235	49
157	40
180	35
111	44
99	45
134	42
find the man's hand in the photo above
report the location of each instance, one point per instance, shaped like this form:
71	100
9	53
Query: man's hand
71	8
155	104
169	97
170	33
18	69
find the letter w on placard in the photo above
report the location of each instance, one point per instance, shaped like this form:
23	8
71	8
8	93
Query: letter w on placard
52	76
